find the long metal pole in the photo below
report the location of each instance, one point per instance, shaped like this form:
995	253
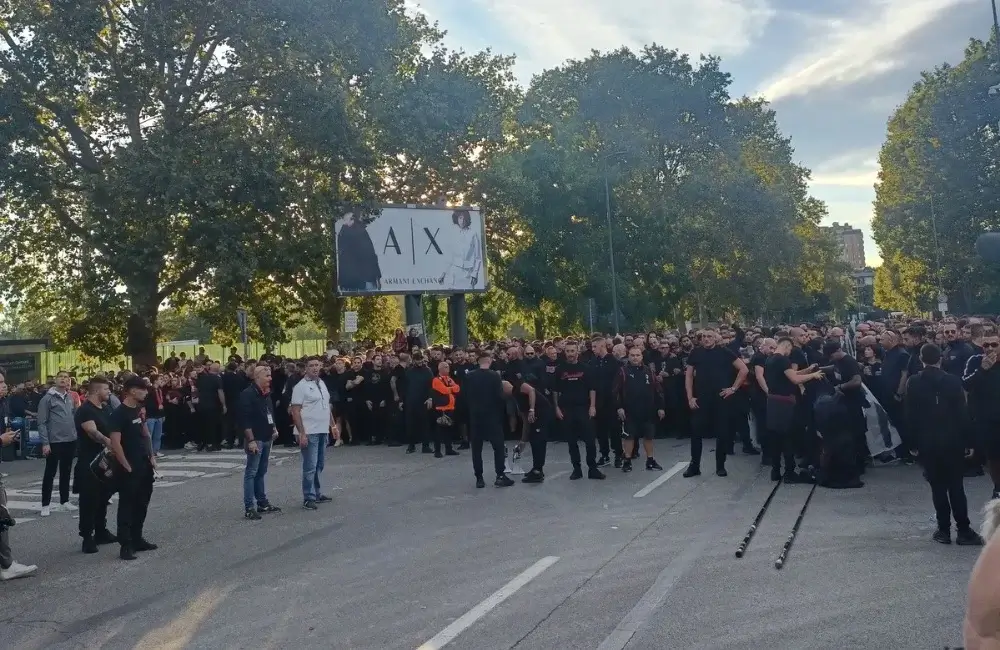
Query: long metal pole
996	29
937	247
742	548
611	246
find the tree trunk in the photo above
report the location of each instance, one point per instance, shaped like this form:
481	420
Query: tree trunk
539	329
333	307
140	341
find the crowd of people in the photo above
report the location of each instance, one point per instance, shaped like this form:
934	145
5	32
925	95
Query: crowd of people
795	395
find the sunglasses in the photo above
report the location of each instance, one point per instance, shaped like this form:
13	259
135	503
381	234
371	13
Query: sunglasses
991	345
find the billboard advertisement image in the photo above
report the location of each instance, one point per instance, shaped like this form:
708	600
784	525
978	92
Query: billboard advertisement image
411	250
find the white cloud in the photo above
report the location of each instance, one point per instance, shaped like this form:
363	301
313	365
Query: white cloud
866	46
547	32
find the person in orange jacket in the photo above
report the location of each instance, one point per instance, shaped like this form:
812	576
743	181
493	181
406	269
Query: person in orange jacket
443	391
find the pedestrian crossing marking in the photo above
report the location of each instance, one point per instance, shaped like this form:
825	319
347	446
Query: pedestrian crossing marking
200	465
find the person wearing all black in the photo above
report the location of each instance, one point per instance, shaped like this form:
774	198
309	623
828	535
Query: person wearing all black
936	412
460	368
713	376
892	385
982	382
638	402
782	381
210	409
93	427
234	382
845	446
416	404
607	428
575	400
397	384
538	413
758	395
376	398
487	409
956	352
136	463
669	371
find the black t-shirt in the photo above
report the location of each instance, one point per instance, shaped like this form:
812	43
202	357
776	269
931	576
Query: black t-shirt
208	386
757	360
128	421
844	369
774	374
543	408
574	381
484	393
86	447
798	359
714	371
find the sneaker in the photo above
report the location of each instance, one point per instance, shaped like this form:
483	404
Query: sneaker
425	449
323	499
480	483
127	554
438	454
627	465
692	470
252	514
968	537
751	451
721	472
309	505
339	443
451	452
267	508
410	448
46	511
68	507
463	445
596	474
160	454
143	545
651	464
618	461
503	481
775	474
533	476
576	475
603	460
942	536
89	545
17	570
190	445
105	537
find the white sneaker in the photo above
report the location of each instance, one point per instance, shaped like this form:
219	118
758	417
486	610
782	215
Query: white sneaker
17	571
160	454
46	511
68	507
190	445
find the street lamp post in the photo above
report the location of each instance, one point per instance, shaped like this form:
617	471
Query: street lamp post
996	29
611	239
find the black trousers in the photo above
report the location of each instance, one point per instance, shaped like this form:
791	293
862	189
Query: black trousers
443	434
948	492
209	428
417	424
739	409
232	427
375	422
94	496
577	425
607	430
481	432
60	459
758	406
711	419
135	489
538	438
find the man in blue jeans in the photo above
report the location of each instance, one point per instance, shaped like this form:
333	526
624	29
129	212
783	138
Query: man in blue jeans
256	417
313	418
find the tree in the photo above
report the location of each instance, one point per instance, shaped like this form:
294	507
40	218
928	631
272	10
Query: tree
378	317
155	151
938	189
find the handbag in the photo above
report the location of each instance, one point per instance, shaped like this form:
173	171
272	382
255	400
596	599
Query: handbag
105	466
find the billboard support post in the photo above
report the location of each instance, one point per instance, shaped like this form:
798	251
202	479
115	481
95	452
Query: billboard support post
458	320
414	311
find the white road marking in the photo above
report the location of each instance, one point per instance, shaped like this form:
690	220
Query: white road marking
450	633
33	506
25	520
557	475
166	484
203	465
670	473
178	473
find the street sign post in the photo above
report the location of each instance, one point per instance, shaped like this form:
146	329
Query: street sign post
241	320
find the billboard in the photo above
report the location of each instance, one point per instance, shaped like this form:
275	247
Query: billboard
411	250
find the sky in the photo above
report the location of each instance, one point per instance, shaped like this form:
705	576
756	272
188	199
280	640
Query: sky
834	70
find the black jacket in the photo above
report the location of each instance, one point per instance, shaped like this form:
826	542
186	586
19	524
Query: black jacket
256	412
984	389
936	415
638	392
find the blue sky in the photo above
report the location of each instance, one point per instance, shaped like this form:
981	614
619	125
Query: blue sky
833	69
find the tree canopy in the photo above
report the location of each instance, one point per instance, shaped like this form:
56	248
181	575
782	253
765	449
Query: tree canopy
939	188
197	155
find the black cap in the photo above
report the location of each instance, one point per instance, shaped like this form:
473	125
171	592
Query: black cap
135	382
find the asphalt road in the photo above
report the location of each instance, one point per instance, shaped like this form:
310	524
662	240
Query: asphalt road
410	555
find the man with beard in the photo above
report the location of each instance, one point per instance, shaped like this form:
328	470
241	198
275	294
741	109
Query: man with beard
313	419
136	463
211	408
639	403
575	401
956	352
713	375
982	381
781	385
93	434
376	395
605	372
487	408
417	402
538	413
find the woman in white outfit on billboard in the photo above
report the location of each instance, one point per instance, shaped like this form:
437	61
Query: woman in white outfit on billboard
466	264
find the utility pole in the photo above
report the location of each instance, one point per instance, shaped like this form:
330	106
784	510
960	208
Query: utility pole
611	240
996	30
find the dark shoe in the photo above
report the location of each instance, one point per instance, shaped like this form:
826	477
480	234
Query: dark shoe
89	545
627	466
105	537
323	499
480	483
410	449
310	505
267	508
651	464
438	454
618	461
252	514
603	460
534	476
576	475
692	470
775	474
372	443
595	474
942	536
425	449
143	545
751	451
968	537
451	452
393	444
721	472
127	553
503	481
463	445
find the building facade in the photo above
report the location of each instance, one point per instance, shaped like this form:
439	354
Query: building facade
852	242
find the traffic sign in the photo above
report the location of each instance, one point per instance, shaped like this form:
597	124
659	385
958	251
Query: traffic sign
350	322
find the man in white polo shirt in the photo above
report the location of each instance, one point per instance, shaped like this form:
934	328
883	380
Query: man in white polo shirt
314	422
